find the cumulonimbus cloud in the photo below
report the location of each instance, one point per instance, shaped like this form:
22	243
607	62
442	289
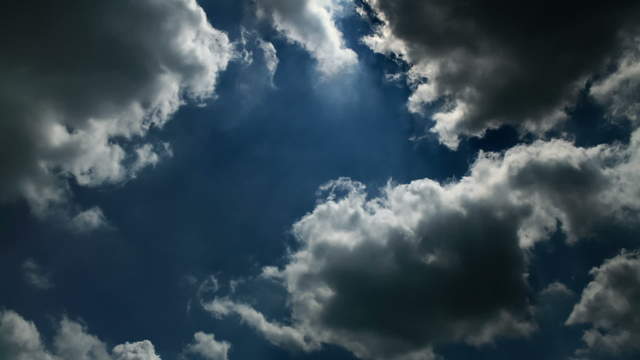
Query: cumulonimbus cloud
83	82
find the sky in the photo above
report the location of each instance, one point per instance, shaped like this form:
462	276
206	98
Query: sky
319	179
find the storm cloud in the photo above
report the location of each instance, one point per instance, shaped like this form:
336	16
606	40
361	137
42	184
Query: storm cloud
495	63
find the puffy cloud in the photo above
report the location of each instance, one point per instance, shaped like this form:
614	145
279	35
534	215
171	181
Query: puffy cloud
207	347
73	342
84	82
556	289
20	340
498	62
426	263
312	25
35	276
141	350
609	305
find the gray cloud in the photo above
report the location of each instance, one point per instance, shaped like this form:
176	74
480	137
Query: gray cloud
620	91
503	62
35	276
609	304
426	264
83	82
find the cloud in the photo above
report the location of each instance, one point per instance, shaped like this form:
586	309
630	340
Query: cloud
619	91
609	305
141	350
426	264
251	44
73	342
312	25
21	340
502	63
207	347
80	93
35	276
556	289
277	334
270	57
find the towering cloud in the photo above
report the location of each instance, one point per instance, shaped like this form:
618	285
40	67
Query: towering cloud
500	62
83	82
426	264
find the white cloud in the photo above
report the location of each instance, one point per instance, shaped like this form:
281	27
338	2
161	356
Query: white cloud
280	335
141	350
312	25
207	347
74	107
73	342
21	340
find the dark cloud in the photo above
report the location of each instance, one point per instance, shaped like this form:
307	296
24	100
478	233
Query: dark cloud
502	62
609	305
83	82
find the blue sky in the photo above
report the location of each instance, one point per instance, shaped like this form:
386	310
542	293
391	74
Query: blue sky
396	188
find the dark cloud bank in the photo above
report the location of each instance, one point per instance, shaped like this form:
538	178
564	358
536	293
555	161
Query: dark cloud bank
503	62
